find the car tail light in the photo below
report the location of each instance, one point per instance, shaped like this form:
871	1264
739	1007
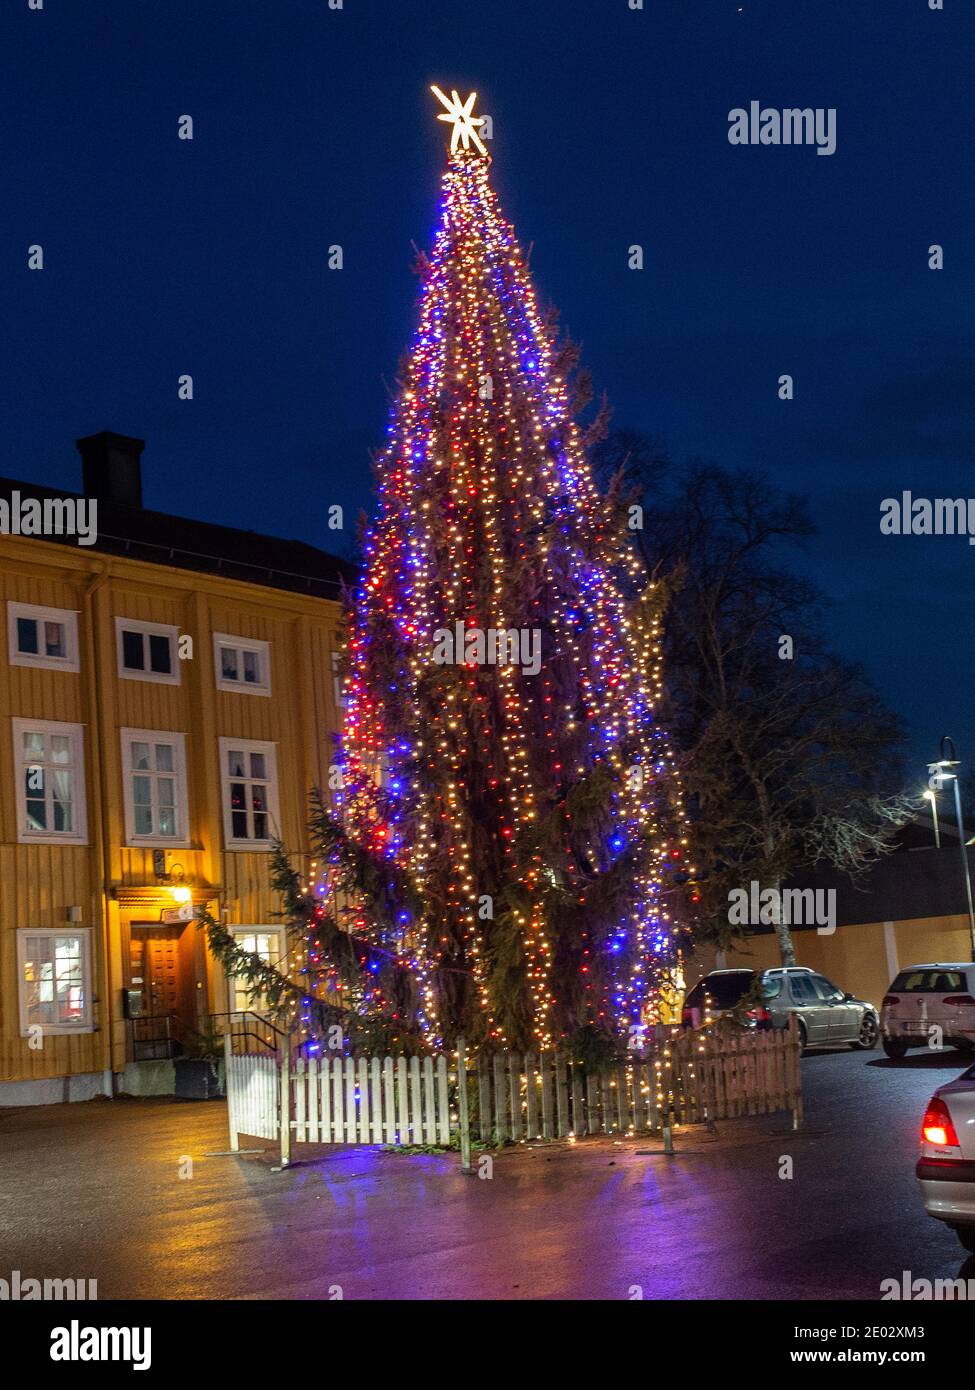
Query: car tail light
759	1014
962	999
889	1000
936	1127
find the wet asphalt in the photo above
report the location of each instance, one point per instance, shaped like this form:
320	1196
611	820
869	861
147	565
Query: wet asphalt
134	1195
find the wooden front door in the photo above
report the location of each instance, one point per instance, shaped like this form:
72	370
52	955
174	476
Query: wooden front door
161	969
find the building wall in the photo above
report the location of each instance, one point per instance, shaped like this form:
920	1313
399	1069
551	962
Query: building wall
111	883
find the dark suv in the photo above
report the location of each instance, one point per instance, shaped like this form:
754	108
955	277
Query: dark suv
827	1017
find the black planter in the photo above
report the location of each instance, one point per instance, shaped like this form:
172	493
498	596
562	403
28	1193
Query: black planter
198	1078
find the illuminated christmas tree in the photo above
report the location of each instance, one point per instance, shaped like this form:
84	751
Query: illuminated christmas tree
500	858
529	801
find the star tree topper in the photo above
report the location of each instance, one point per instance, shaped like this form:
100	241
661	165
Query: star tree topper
460	115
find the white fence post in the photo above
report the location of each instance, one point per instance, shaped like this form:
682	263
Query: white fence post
285	1094
231	1084
462	1107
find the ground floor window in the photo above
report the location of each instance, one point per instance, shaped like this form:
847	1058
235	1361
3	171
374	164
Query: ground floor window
268	944
55	981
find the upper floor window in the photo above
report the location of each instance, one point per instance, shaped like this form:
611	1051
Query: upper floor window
339	688
54	969
50	772
42	637
250	793
242	663
154	785
147	651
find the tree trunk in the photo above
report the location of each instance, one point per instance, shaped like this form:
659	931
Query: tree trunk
786	948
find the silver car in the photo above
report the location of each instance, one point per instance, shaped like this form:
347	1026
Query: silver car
930	1005
827	1016
946	1168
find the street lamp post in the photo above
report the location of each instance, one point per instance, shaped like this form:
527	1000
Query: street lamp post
932	796
943	771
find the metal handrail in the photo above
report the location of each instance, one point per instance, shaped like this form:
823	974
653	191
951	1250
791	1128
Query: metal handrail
240	1017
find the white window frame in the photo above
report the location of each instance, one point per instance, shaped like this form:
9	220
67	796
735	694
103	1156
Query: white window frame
270	751
241	645
242	929
178	741
76	732
339	682
68	617
85	1025
147	630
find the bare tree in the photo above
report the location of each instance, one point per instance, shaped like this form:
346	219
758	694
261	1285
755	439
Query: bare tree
789	757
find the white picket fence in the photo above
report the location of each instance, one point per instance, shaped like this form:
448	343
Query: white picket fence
696	1077
253	1094
371	1100
544	1095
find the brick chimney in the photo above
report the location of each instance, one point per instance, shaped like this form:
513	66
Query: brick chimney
111	468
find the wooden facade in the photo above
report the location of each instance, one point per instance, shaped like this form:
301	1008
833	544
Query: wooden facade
115	892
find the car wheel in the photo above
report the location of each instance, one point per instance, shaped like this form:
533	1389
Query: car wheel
802	1035
867	1037
966	1234
895	1049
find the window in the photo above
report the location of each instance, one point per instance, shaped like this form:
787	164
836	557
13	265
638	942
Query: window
723	988
803	990
929	982
268	944
250	795
147	651
54	969
154	783
42	637
242	664
50	771
826	990
339	682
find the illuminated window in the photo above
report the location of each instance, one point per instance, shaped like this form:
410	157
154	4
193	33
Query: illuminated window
268	944
54	969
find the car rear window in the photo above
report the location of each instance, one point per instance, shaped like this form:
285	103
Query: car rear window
724	990
929	982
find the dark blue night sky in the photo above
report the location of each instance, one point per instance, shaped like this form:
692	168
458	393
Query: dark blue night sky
315	127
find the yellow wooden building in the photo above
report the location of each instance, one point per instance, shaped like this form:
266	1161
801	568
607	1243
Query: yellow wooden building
168	699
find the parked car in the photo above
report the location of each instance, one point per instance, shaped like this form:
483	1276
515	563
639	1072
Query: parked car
946	1168
923	997
826	1015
